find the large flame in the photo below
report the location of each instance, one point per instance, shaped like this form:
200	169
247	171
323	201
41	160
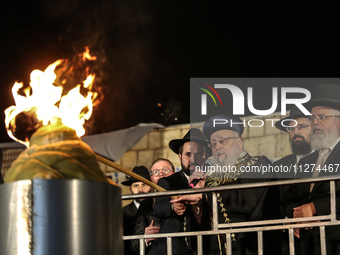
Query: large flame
44	99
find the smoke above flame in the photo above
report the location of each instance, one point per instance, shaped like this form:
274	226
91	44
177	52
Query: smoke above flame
62	93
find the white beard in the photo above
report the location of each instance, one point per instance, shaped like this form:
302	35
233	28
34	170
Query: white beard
325	139
230	159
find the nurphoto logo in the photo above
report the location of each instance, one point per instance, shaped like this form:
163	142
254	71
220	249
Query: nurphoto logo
238	99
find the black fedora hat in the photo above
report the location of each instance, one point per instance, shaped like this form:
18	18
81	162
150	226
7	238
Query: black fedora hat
193	135
325	95
227	122
140	170
295	113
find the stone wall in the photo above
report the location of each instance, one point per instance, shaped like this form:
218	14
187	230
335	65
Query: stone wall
265	140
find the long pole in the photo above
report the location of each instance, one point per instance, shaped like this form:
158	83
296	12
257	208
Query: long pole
128	172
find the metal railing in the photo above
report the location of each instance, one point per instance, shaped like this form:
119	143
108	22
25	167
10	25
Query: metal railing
250	226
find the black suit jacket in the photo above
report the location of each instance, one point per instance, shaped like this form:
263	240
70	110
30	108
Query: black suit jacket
129	217
145	215
246	205
320	196
288	162
320	193
171	222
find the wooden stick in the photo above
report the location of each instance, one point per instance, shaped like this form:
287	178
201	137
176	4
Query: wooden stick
128	172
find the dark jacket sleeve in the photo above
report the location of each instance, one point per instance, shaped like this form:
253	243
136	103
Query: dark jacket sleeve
163	208
144	218
139	229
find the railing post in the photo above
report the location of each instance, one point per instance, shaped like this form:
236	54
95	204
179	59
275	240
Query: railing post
199	245
228	241
141	246
169	245
215	211
332	197
291	241
260	242
322	240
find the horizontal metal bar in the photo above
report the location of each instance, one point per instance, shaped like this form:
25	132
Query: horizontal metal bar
231	187
272	222
224	231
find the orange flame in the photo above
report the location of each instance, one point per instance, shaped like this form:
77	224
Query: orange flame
45	100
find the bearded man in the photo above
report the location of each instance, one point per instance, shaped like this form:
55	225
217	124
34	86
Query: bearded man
299	130
130	210
313	199
178	217
234	205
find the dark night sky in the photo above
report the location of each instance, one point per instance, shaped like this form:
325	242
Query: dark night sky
148	50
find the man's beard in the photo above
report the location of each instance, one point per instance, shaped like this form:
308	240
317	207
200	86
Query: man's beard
300	147
230	159
324	139
186	169
140	199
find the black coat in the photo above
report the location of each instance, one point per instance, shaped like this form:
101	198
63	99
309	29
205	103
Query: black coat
145	215
129	216
171	222
289	162
320	196
241	205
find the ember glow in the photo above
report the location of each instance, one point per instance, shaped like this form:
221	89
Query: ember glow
46	101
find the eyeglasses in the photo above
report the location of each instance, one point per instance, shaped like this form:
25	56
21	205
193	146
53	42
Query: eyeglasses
320	117
298	127
156	172
222	141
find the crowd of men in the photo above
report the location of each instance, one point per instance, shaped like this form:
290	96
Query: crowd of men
314	143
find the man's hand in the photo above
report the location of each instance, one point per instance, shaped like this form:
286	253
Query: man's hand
305	210
198	176
188	199
151	229
179	207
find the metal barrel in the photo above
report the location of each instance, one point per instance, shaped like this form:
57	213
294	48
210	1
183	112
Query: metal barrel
68	217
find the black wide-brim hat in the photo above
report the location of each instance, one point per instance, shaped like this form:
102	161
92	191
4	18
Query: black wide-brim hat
295	113
231	123
140	170
327	95
193	135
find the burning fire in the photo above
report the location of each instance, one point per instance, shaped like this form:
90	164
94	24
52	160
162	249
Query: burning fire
43	102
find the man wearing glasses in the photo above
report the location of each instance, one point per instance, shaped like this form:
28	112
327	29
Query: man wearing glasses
237	205
313	199
160	168
178	217
146	222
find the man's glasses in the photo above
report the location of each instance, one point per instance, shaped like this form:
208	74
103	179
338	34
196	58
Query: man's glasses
320	117
156	172
222	141
298	127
